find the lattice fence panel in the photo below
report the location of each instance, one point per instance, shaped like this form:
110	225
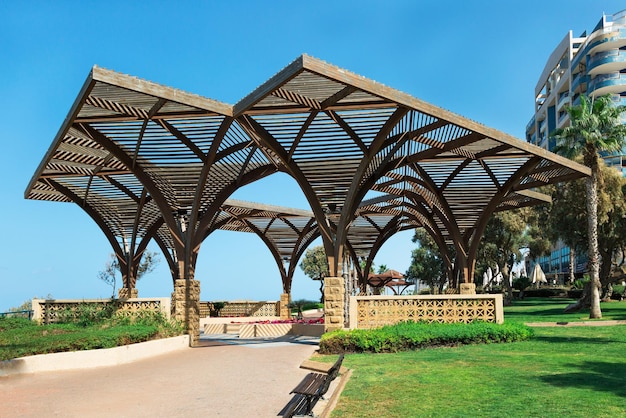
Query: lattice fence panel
248	308
372	312
54	311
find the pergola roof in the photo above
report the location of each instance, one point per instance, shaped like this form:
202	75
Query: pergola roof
147	161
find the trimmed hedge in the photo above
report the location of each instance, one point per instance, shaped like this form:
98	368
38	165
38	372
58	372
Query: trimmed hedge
415	335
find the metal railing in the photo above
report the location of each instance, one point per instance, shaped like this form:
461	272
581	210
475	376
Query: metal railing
19	314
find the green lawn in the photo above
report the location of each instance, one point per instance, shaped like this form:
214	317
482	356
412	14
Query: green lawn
551	310
561	371
20	337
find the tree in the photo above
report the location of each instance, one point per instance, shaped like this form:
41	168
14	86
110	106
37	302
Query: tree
315	265
149	261
564	218
568	211
501	242
595	127
427	265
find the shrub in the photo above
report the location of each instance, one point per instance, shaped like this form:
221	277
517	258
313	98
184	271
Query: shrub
521	283
545	292
580	283
165	328
415	335
87	314
21	337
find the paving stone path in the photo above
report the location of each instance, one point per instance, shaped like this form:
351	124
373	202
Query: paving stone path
224	377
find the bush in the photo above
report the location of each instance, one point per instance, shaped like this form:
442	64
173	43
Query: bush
21	337
87	314
151	319
521	283
579	284
415	335
545	292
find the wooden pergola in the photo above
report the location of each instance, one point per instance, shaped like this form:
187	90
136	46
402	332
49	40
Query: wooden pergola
149	162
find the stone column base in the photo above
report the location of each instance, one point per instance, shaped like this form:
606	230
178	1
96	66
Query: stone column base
334	291
186	307
467	288
127	293
284	306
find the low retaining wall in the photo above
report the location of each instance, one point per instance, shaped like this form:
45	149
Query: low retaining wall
249	330
376	311
72	360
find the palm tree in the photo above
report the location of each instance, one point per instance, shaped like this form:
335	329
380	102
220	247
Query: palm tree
595	127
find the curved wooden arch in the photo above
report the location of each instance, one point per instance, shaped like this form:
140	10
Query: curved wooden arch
339	135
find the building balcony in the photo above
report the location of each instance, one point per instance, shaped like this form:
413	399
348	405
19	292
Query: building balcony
578	80
607	84
530	126
607	62
563	101
606	39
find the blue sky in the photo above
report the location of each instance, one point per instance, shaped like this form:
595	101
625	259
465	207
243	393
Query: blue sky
480	59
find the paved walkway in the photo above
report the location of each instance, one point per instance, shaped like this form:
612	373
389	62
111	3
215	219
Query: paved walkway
223	377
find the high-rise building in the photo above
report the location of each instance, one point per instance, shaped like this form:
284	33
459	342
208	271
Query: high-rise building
593	64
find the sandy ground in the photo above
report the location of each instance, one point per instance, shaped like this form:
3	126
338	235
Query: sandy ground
223	377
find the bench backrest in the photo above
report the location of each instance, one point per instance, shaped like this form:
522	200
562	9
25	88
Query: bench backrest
333	372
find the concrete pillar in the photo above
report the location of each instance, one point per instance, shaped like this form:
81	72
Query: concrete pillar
127	293
467	288
285	312
186	307
334	291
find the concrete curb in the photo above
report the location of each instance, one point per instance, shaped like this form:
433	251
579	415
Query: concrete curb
334	398
92	358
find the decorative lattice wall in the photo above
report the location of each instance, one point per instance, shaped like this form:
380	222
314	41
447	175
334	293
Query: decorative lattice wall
51	311
376	311
242	308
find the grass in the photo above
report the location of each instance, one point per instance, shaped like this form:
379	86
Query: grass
551	310
561	371
20	337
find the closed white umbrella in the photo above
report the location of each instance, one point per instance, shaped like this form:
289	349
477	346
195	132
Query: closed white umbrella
538	275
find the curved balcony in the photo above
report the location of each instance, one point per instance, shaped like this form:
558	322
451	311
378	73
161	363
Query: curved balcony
606	39
607	61
578	79
530	126
607	83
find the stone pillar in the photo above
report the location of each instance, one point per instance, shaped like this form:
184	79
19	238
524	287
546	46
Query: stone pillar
285	313
127	293
186	307
467	288
333	303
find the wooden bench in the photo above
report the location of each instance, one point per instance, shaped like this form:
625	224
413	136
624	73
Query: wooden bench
312	388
